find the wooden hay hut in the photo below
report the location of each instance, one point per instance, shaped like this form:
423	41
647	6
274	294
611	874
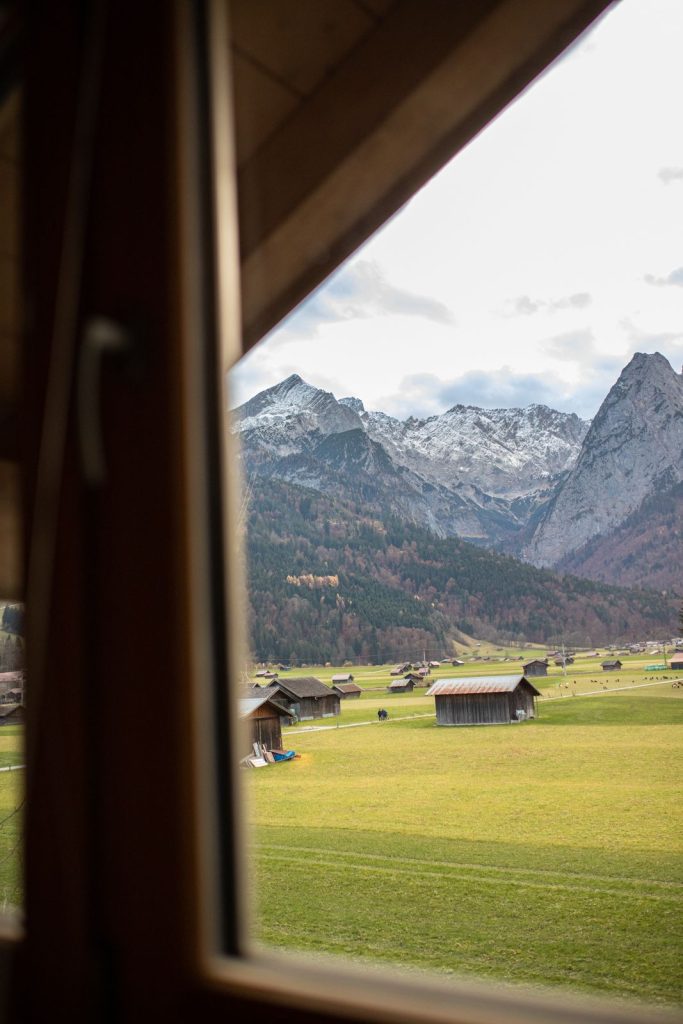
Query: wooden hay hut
406	685
612	665
306	697
536	668
677	662
347	691
344	677
263	716
398	670
483	700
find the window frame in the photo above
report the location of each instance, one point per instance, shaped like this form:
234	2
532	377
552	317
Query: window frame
98	941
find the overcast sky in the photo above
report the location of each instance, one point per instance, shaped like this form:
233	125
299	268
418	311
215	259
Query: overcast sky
535	264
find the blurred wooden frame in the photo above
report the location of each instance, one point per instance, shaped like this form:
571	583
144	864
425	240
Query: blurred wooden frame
134	906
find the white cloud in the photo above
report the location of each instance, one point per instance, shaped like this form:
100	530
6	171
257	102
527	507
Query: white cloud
525	257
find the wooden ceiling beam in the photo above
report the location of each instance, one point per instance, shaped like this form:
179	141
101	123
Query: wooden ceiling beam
416	90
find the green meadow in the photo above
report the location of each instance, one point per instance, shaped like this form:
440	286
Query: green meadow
542	853
11	819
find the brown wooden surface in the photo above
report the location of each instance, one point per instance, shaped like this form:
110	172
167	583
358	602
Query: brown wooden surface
111	909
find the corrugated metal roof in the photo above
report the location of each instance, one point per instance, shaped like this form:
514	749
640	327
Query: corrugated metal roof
477	684
249	704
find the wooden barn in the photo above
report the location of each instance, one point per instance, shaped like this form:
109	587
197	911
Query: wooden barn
306	697
347	691
611	666
483	700
536	668
406	685
263	716
344	677
677	662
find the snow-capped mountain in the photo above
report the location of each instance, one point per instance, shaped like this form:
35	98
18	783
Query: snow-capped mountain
534	482
477	473
292	417
508	453
633	450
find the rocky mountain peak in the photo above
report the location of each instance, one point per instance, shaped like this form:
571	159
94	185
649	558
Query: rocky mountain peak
634	446
353	403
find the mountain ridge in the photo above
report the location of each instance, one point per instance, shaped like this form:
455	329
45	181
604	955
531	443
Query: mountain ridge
533	482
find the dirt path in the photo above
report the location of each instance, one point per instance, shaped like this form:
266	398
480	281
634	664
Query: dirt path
354	725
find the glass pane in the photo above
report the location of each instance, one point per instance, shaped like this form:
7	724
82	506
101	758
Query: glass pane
462	504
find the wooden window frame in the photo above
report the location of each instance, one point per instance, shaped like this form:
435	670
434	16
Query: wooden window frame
134	907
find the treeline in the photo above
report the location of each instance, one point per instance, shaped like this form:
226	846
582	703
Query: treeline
403	590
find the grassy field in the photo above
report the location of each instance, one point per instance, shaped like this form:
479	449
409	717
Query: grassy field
11	819
375	678
542	853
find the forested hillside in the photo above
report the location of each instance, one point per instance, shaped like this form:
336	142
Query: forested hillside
645	550
401	590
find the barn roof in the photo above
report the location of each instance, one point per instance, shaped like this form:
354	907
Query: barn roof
345	677
397	684
677	659
347	688
250	704
478	684
303	686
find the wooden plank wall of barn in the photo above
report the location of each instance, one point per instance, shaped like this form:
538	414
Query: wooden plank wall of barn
267	730
473	709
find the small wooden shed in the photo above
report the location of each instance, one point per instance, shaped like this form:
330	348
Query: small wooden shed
344	677
306	697
406	685
264	718
483	700
347	691
536	668
677	662
611	665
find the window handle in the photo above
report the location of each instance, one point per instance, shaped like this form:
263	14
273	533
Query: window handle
101	337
